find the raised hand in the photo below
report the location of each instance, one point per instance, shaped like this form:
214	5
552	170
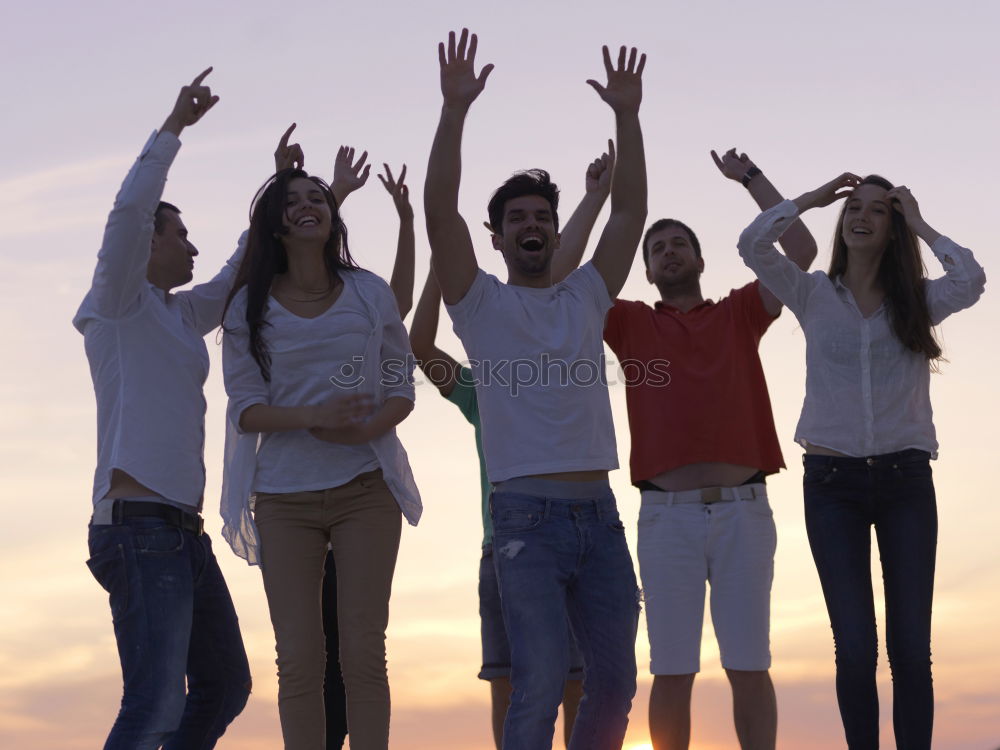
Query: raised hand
399	191
192	103
348	175
623	92
834	190
902	200
599	172
288	157
733	165
459	83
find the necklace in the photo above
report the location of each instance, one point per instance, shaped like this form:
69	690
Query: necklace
316	295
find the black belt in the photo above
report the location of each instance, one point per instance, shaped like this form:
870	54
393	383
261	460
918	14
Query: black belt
123	509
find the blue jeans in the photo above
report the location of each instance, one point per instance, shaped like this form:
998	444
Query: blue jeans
173	619
844	498
496	648
559	548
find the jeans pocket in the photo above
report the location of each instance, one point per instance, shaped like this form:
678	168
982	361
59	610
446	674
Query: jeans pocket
913	470
515	520
161	539
819	475
108	568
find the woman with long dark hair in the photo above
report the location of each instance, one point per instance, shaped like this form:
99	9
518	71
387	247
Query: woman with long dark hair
319	372
867	430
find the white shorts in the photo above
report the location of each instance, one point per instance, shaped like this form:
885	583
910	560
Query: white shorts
729	544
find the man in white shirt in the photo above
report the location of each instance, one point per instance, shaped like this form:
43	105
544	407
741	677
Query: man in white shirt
536	353
173	616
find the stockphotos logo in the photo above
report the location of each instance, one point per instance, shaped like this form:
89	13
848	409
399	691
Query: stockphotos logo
513	374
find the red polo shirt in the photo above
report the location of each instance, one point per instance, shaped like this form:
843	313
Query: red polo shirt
695	387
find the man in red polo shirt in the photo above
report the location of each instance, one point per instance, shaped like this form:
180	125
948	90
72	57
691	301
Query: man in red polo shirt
703	441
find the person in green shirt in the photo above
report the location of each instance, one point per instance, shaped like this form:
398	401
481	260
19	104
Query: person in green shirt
456	383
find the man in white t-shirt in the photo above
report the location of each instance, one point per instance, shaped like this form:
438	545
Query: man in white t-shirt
536	353
184	668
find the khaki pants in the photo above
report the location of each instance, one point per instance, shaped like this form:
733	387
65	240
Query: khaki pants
362	522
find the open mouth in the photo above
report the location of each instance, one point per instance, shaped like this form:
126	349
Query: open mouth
532	243
861	230
307	221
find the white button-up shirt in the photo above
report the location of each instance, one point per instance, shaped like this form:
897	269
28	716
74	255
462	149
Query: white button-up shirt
146	349
308	355
866	394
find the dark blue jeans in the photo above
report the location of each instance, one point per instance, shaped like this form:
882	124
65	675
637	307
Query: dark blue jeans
844	498
561	550
173	620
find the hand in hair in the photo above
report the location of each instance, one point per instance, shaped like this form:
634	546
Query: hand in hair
192	103
399	191
459	83
598	179
348	175
831	192
732	165
623	92
288	157
902	200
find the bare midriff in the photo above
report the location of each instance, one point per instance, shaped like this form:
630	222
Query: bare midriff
819	450
706	474
124	485
574	476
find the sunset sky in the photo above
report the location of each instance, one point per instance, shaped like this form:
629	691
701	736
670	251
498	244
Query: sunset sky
904	88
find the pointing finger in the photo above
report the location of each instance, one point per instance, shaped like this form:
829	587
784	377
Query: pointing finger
283	142
201	76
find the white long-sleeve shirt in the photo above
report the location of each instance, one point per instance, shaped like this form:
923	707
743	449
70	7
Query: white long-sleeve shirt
360	343
146	350
866	394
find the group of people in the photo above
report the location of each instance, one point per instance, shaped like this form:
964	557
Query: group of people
318	370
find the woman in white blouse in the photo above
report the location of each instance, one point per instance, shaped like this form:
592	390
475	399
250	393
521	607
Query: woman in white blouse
319	372
867	430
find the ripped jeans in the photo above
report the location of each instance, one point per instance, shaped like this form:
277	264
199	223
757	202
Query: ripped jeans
559	548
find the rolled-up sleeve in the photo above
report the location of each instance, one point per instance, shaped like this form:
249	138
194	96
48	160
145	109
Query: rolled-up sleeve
245	385
785	280
961	286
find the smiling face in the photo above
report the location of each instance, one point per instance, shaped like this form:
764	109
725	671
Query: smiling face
867	222
527	237
672	260
171	255
307	215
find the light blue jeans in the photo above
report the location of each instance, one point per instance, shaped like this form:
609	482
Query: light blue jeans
559	548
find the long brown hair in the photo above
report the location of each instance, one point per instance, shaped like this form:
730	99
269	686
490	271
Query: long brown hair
266	257
901	274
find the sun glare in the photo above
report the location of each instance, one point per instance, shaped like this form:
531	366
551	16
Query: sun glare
643	746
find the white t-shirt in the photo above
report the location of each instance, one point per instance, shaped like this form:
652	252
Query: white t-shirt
537	356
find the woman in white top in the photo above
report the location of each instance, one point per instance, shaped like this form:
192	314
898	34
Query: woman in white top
867	430
319	372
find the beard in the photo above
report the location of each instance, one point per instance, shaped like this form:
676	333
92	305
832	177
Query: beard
679	283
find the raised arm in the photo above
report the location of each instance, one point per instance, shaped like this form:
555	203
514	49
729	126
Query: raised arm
439	367
401	281
797	241
452	253
124	254
574	236
964	280
789	283
620	238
